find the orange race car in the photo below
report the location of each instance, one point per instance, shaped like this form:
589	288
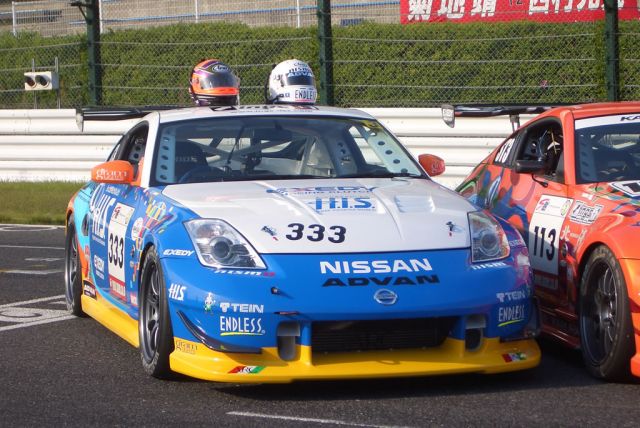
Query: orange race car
569	180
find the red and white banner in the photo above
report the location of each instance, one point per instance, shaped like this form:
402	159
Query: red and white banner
412	11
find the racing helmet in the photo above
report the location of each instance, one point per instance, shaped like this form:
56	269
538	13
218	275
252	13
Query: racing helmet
291	82
213	83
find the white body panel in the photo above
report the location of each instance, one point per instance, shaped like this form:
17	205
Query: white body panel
378	214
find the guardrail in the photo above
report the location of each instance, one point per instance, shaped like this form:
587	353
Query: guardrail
44	145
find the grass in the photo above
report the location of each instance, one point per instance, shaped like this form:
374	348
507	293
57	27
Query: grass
35	203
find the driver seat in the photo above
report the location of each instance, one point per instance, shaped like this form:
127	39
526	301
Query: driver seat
316	160
189	156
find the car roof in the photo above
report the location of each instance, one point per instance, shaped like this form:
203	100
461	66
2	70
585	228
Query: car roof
167	116
582	111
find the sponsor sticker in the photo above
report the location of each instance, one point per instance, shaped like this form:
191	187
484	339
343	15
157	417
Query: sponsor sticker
489	265
208	303
584	214
246	370
342	203
99	207
322	190
545	281
178	252
136	229
512	296
118	288
514	356
176	292
630	188
510	315
88	289
271	231
245	308
186	347
98	264
240	326
245	272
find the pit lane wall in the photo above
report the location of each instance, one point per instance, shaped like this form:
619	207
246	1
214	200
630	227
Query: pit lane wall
45	145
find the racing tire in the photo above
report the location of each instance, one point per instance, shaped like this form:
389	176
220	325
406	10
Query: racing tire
155	332
606	330
72	272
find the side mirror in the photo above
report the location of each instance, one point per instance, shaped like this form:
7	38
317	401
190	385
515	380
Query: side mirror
114	172
432	164
529	166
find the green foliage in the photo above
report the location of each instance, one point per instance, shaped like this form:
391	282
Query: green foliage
16	56
374	64
35	203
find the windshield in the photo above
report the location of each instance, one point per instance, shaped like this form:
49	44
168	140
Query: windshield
275	147
608	149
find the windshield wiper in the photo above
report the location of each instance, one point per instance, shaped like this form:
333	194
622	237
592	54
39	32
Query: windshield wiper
379	174
261	177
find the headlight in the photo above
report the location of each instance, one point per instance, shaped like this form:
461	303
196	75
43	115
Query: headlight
219	245
488	240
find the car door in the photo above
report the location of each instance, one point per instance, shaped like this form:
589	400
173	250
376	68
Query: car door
544	198
113	212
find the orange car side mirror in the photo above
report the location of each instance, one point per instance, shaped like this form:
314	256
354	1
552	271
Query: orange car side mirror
432	164
114	172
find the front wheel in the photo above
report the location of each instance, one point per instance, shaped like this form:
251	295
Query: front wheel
156	335
72	272
606	330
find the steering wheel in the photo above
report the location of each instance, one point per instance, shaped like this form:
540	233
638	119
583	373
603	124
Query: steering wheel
197	172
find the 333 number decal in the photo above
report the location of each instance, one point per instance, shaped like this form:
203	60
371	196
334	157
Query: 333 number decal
316	232
116	250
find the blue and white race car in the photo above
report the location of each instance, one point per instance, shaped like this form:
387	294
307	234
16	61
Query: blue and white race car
279	243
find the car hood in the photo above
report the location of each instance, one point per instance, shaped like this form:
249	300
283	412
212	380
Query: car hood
334	216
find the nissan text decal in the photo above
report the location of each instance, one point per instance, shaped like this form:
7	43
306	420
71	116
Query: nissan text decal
417	267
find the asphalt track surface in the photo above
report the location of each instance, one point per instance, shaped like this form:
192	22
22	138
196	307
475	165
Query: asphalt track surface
58	370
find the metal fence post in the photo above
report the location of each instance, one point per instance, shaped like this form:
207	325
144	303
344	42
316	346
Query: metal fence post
612	72
325	51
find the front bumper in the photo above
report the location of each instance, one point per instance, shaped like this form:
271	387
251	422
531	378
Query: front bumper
194	359
297	321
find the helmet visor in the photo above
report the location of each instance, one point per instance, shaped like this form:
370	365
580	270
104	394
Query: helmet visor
219	80
301	80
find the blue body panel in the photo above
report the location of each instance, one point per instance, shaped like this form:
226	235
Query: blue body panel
239	307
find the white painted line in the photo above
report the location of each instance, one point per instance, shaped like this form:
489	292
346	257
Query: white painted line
43	259
27	302
314	420
44	321
27	227
22	316
31	247
32	272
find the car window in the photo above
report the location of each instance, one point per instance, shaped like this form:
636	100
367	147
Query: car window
608	151
504	154
544	142
275	147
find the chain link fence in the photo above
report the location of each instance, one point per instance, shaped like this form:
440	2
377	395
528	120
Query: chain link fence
385	53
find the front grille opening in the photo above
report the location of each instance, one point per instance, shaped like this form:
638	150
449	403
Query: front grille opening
378	335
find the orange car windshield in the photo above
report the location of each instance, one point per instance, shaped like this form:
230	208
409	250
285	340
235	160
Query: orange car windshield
607	152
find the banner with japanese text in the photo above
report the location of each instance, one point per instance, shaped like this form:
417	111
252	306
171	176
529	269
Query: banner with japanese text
412	11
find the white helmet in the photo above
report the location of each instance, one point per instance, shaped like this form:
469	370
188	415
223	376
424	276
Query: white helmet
291	82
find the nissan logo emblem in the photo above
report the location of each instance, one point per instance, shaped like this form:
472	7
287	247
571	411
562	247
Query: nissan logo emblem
385	297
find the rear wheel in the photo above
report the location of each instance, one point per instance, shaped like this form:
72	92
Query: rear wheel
156	336
606	331
72	272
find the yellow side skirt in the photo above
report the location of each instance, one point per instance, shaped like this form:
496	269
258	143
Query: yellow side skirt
111	317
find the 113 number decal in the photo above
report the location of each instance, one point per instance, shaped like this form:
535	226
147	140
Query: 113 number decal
542	235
